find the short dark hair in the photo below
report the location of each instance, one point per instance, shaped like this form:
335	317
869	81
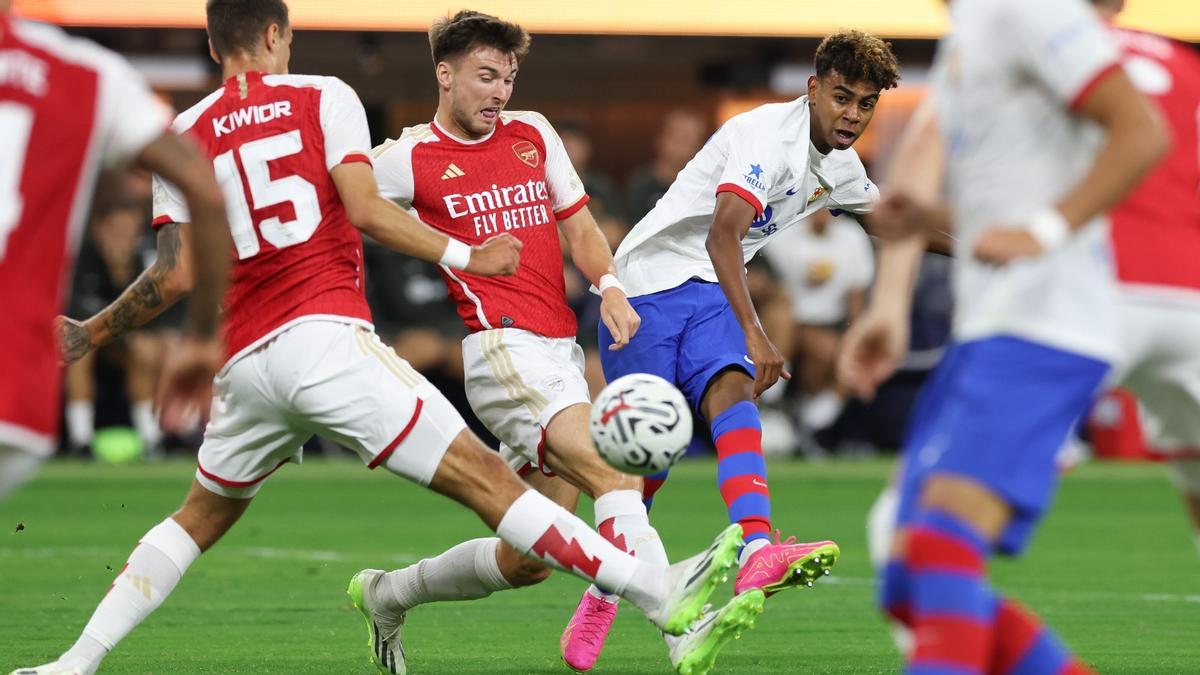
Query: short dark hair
234	25
455	35
858	56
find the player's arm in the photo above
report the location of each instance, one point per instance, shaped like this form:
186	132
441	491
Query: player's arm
391	226
877	341
593	257
731	222
185	261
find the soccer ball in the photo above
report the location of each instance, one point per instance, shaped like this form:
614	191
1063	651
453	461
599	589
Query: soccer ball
641	424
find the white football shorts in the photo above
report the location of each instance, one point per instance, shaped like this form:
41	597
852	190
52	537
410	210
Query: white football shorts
516	382
330	379
1160	363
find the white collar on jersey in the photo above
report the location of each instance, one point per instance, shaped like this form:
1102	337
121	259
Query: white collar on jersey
464	141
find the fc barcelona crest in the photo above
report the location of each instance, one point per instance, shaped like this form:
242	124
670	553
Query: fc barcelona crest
527	152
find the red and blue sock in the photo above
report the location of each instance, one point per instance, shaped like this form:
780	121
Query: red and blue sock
1026	647
953	610
741	469
650	486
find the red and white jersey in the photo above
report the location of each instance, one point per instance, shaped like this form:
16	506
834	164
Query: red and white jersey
67	108
1156	230
518	180
273	140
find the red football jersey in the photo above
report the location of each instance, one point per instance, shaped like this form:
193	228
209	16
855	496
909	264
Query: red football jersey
517	180
67	107
1156	230
273	140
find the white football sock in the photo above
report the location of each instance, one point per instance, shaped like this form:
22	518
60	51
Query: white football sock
466	572
146	425
80	422
16	467
621	518
539	528
749	550
153	569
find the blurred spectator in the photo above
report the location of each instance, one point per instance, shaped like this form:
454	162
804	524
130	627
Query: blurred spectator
681	137
827	264
605	201
118	247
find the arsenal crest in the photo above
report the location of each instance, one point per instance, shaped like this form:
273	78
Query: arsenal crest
527	152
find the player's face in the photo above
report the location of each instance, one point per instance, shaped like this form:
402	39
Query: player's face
480	85
841	110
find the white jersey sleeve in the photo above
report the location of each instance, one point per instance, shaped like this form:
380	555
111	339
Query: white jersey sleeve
565	187
854	193
1063	44
344	123
753	161
393	170
133	116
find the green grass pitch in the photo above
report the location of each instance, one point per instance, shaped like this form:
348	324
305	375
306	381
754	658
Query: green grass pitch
1113	569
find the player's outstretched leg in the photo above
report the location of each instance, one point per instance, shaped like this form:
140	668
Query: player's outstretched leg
469	571
742	478
671	597
620	517
161	558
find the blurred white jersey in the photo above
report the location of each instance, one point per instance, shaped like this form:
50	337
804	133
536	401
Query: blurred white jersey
821	270
1007	79
765	157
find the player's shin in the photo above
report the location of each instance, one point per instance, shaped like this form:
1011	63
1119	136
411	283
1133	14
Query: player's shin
468	571
151	573
544	530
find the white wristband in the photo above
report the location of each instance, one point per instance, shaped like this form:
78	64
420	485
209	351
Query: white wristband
1049	228
610	281
456	255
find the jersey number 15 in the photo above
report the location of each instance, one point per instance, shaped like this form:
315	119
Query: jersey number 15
265	192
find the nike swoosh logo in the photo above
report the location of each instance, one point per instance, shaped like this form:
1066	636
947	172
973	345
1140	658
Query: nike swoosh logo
791	192
748	360
759	483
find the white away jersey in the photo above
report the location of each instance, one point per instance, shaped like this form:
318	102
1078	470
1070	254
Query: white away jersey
1006	81
765	157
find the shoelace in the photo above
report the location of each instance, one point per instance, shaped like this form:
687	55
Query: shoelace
790	540
593	628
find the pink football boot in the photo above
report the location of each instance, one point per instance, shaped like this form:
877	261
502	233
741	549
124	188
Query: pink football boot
583	638
781	565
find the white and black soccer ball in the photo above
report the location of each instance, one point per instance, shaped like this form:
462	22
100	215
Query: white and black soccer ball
641	424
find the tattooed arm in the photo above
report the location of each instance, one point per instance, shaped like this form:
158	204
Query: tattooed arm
157	288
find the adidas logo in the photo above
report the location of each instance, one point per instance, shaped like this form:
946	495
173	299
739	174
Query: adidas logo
453	171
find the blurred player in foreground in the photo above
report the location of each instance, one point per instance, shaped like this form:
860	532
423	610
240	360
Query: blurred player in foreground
1156	237
1036	131
683	265
290	152
69	110
475	171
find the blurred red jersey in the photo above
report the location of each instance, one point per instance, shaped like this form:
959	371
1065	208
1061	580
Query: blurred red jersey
273	140
517	180
1156	230
67	109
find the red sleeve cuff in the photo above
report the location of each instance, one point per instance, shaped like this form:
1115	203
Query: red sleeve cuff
159	221
572	209
357	157
1091	85
744	194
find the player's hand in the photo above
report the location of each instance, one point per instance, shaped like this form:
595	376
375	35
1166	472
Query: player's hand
768	362
185	386
498	256
74	340
619	317
871	351
1002	245
898	216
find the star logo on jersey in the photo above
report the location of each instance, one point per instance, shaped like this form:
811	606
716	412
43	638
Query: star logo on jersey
453	171
527	152
817	194
754	177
